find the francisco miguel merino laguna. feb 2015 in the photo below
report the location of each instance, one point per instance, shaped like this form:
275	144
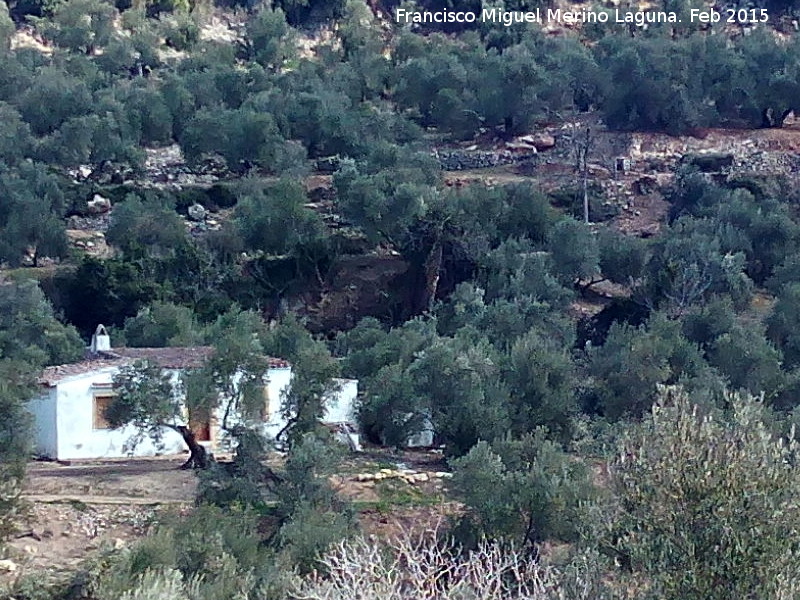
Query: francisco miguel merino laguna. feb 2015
551	15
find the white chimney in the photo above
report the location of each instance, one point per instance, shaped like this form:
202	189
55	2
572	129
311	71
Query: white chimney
101	342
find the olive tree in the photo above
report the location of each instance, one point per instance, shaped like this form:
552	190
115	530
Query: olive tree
229	383
707	504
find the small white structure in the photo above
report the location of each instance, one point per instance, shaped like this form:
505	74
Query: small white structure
69	412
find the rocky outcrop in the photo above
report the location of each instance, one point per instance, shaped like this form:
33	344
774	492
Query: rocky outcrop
98	205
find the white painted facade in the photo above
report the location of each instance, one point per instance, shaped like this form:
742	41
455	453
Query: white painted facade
66	424
64	420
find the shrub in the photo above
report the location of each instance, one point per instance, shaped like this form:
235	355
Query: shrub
214	553
525	491
409	568
708	504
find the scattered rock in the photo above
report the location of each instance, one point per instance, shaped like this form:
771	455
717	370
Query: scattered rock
463	160
521	146
196	212
408	475
8	565
328	165
543	141
98	205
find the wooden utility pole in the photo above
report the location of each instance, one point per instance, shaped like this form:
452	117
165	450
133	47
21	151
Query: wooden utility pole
581	148
586	145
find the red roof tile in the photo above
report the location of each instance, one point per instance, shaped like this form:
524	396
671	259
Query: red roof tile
52	375
166	358
169	358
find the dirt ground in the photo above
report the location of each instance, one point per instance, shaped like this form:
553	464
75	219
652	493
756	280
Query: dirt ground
75	509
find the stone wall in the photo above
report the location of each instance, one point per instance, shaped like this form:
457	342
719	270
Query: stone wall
463	160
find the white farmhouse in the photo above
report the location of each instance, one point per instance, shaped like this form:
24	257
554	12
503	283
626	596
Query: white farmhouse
69	411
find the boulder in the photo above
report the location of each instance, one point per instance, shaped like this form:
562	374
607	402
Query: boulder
8	565
98	205
196	212
540	141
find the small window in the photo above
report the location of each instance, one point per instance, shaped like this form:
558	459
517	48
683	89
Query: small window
101	404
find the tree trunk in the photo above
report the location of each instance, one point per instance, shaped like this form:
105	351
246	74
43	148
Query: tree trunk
432	267
585	195
198	456
586	147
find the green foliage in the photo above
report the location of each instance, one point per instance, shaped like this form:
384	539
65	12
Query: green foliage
542	380
647	67
307	12
162	324
761	227
146	398
145	227
7	28
749	361
694	263
241	137
80	25
274	220
105	292
573	248
707	504
30	337
232	379
15	136
312	518
783	323
16	388
269	38
30	332
459	383
627	368
516	270
302	515
31	207
387	193
213	554
182	32
705	324
459	86
502	321
525	491
622	257
313	371
391	411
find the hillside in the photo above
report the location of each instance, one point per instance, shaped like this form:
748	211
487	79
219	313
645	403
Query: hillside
568	253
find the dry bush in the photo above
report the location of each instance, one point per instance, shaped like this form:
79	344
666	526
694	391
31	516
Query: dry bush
422	568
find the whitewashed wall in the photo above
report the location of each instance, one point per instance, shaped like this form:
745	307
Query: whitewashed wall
77	437
43	410
64	418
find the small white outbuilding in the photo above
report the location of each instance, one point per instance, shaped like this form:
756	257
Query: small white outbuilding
69	412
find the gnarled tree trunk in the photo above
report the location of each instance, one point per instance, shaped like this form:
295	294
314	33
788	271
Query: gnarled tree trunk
199	457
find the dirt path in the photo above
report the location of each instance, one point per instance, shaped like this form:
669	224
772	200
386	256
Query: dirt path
100	500
140	481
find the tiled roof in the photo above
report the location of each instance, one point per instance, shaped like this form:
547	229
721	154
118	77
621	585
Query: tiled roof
169	358
166	358
52	375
